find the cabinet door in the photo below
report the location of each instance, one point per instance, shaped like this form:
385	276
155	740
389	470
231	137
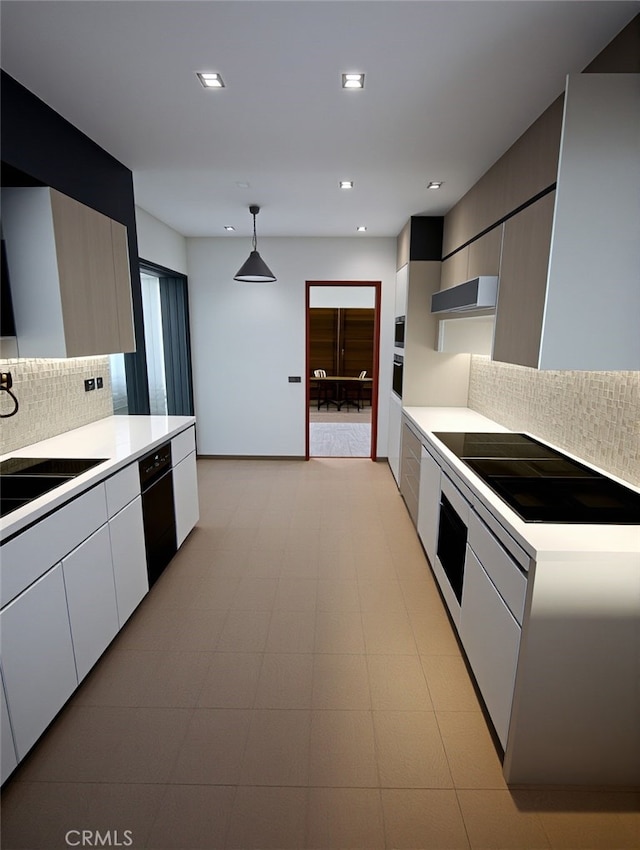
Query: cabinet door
523	284
91	596
126	531
429	504
491	639
37	658
185	494
402	287
9	758
484	254
455	269
122	279
395	436
87	277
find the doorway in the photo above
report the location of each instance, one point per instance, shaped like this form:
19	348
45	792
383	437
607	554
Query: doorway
342	354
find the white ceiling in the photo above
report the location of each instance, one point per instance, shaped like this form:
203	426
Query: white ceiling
449	86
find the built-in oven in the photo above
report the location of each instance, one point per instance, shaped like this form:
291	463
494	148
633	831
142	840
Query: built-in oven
158	511
451	544
399	331
398	367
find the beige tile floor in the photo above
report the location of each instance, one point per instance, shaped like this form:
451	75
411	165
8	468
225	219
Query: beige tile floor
292	681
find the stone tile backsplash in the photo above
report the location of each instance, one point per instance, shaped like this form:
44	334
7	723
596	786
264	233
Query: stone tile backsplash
594	415
52	398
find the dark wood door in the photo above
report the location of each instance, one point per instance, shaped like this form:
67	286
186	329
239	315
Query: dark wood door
341	340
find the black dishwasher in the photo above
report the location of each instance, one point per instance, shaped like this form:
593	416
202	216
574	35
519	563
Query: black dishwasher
158	513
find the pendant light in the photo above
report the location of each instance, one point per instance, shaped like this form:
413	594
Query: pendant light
255	270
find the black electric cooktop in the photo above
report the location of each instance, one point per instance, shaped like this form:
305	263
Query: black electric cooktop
23	479
541	484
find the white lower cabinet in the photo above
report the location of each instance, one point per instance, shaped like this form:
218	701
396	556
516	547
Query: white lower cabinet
126	531
429	505
38	664
395	436
91	598
7	747
491	639
185	495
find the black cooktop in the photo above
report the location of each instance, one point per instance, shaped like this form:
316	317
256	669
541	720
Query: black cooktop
23	479
541	484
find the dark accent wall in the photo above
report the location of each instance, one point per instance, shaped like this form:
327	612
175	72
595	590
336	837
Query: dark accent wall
40	147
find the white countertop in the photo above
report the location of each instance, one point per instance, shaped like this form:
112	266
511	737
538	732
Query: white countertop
118	439
542	541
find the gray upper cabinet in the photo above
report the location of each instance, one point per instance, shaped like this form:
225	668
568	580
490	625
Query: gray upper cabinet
69	273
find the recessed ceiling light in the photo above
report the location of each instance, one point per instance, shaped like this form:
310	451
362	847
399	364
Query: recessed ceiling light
346	184
353	81
242	185
435	184
361	229
210	80
229	227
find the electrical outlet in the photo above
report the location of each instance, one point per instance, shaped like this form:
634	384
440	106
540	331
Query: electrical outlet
6	381
89	384
294	379
99	383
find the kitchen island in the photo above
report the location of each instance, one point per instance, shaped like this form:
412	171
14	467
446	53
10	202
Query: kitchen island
548	615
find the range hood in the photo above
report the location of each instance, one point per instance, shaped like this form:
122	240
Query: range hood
480	293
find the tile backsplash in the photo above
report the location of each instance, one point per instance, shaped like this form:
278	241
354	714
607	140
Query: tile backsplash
594	415
52	398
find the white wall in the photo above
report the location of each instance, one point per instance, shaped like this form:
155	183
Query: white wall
159	243
248	338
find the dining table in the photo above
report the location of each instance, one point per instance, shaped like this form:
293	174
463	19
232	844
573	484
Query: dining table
340	383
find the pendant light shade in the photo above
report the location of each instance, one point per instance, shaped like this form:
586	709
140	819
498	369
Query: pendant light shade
255	270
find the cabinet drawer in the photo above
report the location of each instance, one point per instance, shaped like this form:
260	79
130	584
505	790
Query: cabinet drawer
502	569
30	554
182	445
491	639
122	488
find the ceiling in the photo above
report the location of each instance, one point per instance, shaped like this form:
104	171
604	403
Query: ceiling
449	86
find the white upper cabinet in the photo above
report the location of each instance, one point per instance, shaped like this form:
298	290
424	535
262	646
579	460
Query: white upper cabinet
69	275
592	306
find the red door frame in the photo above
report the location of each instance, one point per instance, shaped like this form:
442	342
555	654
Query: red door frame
377	286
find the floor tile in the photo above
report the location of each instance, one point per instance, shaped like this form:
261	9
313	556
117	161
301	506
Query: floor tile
109	744
255	594
586	819
472	756
213	747
277	751
433	632
296	594
339	632
144	678
335	595
193	816
494	822
47	815
285	681
344	819
342	750
231	680
449	683
340	682
397	682
268	819
291	631
244	631
381	596
425	819
410	751
388	633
